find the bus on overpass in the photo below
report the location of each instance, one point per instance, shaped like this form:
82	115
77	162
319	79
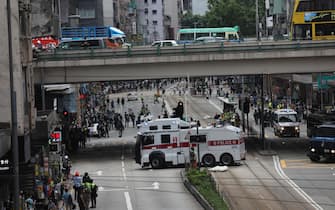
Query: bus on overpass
313	20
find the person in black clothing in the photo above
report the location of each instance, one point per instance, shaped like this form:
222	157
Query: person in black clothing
122	101
94	194
132	117
112	104
86	178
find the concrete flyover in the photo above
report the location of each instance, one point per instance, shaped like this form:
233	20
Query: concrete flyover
74	66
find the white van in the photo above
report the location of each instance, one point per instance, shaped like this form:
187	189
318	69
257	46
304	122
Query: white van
285	123
164	43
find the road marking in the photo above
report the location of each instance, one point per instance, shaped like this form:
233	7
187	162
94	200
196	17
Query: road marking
304	163
155	185
128	201
99	173
216	106
123	168
102	189
293	184
283	163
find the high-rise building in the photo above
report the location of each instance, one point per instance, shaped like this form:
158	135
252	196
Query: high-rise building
172	15
150	19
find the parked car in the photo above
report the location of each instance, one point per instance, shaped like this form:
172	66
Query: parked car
209	39
132	97
164	43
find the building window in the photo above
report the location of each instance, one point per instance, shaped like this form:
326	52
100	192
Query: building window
154	1
145	1
154	12
147	21
87	13
154	22
146	11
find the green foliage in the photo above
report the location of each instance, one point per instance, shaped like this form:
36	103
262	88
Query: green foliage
228	13
190	21
202	181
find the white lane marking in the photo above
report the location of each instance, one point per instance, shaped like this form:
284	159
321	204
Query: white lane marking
124	174
293	184
102	189
123	169
99	173
215	105
155	185
168	107
128	201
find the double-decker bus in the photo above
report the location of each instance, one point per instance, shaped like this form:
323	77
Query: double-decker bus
313	20
189	35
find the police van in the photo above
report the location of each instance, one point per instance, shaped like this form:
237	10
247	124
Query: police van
167	142
322	143
285	123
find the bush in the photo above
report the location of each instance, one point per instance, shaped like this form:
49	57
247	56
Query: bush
203	183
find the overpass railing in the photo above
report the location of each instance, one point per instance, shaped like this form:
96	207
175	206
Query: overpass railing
145	51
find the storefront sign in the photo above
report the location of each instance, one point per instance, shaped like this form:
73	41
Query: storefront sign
4	164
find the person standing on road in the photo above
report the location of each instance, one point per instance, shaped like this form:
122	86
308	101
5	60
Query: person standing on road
126	119
76	184
67	200
132	117
112	104
86	178
94	194
122	101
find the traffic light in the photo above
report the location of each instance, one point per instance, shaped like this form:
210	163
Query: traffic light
180	110
65	113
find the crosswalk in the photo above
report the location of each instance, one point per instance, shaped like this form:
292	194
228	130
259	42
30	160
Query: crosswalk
304	163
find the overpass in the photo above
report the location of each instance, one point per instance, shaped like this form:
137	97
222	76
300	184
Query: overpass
75	66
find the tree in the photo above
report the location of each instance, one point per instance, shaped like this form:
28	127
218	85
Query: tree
189	20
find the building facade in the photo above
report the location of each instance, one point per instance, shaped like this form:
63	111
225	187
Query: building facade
16	57
45	18
172	15
150	19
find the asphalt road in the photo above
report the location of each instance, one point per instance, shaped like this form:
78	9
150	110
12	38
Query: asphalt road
287	180
123	184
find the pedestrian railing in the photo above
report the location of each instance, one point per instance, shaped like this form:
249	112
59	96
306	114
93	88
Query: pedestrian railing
183	50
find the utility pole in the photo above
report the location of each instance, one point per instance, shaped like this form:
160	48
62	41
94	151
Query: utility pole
15	149
257	22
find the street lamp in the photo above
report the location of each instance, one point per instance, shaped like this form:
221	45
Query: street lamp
195	34
257	22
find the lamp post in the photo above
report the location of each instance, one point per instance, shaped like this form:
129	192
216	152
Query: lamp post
257	22
195	34
14	135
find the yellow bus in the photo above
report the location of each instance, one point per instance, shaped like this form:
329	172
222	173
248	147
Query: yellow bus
313	20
